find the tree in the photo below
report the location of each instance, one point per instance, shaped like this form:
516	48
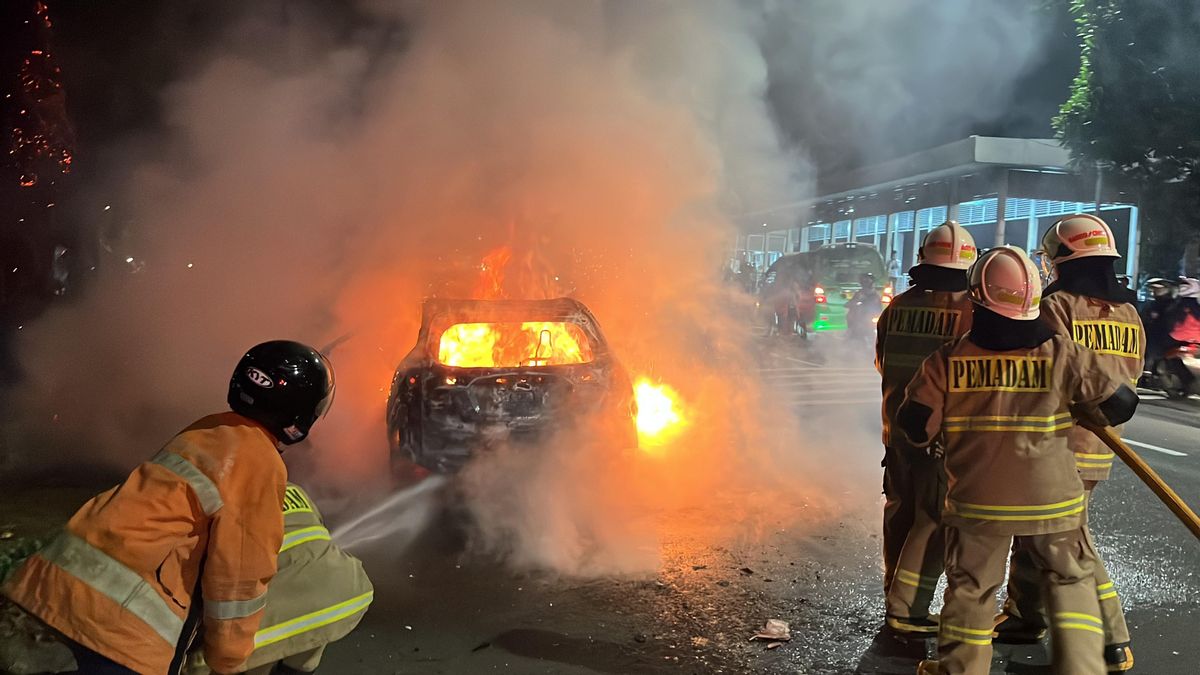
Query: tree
1135	109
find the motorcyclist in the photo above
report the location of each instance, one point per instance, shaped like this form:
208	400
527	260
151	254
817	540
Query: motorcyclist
805	300
1155	317
864	306
1184	321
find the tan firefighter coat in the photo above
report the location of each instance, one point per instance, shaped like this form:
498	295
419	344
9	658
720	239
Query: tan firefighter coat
320	592
1114	332
1006	417
911	328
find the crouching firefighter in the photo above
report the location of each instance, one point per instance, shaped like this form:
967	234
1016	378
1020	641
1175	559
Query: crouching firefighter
193	532
318	596
1087	304
1003	398
934	310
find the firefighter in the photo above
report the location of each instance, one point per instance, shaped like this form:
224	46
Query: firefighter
193	532
1088	304
936	309
319	596
1003	397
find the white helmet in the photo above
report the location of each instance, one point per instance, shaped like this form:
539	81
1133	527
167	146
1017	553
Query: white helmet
1189	288
1079	236
948	245
1005	281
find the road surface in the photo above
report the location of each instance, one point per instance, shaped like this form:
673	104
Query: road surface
442	611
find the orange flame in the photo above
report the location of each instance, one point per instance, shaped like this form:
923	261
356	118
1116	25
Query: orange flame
490	285
660	415
513	345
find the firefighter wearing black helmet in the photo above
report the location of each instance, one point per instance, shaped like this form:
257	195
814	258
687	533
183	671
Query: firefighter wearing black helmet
202	519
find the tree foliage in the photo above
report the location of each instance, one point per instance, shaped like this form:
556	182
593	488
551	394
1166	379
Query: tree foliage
1135	109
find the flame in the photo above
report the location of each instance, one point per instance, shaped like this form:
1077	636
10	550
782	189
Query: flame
490	285
659	413
513	345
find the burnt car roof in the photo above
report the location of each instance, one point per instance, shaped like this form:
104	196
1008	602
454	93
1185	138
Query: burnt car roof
557	309
438	314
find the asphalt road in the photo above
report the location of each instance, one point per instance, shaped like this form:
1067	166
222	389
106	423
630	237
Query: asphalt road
442	609
442	606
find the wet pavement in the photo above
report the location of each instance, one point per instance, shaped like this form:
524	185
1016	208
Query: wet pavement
440	610
444	607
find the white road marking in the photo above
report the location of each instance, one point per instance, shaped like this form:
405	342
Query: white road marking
1165	451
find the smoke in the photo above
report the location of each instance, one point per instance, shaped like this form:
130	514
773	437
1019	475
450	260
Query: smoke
319	175
882	79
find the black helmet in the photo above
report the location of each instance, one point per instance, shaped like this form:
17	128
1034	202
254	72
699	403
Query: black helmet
285	386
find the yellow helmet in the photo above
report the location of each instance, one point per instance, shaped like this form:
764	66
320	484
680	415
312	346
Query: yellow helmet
1079	236
1005	281
947	245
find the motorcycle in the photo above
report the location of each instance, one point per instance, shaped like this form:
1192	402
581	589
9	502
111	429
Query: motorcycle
1177	373
862	314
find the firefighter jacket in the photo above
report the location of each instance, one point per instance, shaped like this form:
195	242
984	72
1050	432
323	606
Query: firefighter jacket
204	515
911	328
1114	332
1005	417
320	593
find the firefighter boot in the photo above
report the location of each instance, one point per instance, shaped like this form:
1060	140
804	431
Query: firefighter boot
907	627
1011	630
930	667
1118	658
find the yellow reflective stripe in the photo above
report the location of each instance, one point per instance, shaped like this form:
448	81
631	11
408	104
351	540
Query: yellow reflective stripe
1008	427
1085	455
206	491
1106	586
1106	591
1106	596
1044	516
307	534
913	579
1010	418
1079	615
97	570
1081	626
1093	465
970	636
312	620
1030	507
234	609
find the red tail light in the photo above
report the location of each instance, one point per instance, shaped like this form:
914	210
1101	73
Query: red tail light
820	295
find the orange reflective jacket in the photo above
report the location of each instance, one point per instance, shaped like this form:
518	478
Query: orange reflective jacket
205	513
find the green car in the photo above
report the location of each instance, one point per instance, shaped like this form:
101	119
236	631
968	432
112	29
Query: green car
833	271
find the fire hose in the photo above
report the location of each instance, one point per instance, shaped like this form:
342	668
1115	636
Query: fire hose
1150	478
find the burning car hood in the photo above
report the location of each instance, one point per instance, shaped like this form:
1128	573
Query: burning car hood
438	314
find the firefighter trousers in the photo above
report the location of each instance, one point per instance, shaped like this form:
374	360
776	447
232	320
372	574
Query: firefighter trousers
920	560
898	510
304	662
974	574
1025	603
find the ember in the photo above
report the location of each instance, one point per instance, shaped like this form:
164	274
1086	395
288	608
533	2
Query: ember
659	416
512	345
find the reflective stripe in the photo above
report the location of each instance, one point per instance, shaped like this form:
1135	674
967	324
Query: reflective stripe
314	533
312	621
1093	465
913	579
1069	507
234	609
1106	591
1079	621
1009	423
970	636
206	491
110	578
1084	455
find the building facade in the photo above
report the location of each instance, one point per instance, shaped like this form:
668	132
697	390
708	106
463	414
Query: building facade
1003	190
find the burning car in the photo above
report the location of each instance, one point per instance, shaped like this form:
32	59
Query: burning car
489	372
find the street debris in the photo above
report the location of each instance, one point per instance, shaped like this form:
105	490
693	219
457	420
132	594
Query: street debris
775	631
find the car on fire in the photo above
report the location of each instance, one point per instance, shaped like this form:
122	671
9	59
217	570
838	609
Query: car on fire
493	372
